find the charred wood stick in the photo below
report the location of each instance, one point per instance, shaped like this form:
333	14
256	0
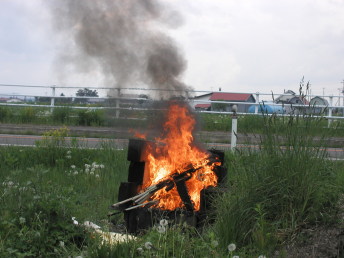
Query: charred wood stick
140	198
184	195
143	204
132	199
169	183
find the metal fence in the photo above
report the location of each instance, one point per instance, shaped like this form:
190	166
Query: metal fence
127	98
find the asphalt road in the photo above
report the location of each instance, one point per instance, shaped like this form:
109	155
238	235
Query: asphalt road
30	140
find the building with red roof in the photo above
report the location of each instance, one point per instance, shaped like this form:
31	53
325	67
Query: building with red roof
225	97
237	98
204	107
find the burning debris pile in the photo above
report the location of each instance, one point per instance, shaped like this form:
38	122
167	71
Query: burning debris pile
169	177
126	41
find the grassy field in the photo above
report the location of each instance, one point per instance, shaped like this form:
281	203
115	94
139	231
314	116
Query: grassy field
269	196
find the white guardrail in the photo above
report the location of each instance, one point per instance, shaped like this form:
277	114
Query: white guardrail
331	110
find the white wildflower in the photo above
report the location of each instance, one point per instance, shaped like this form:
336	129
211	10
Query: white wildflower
231	247
163	222
87	166
161	229
22	220
140	250
69	152
261	256
68	157
62	244
93	169
214	243
101	166
235	256
75	173
91	173
72	166
97	176
87	170
148	245
96	166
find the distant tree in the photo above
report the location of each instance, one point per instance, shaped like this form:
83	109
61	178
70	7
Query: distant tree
87	93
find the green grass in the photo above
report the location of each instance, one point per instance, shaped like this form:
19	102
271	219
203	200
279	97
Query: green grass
47	186
270	195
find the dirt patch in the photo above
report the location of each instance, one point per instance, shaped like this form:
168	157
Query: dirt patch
318	241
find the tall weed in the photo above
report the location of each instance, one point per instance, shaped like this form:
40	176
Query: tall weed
274	191
27	114
61	115
4	113
91	117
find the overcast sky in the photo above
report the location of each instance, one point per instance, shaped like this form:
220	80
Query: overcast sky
238	45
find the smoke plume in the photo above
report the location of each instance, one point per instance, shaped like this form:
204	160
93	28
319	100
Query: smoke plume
124	38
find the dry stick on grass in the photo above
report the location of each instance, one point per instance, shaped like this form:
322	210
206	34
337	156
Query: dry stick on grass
169	183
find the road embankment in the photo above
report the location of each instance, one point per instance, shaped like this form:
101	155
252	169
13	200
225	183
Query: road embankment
126	133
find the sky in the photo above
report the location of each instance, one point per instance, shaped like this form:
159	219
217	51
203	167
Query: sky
237	45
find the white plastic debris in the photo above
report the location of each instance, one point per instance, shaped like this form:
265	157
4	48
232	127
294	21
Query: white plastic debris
89	224
111	238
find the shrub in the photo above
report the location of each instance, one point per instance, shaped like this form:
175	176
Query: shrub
61	114
4	113
90	117
27	114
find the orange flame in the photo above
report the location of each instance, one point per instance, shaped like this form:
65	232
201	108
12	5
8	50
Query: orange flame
137	134
175	152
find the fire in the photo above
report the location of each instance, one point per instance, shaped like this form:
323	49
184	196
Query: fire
175	152
137	134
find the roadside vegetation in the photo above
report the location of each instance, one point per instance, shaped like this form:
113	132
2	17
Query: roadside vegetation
270	196
93	115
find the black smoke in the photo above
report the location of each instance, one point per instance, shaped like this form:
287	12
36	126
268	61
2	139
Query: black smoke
124	38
